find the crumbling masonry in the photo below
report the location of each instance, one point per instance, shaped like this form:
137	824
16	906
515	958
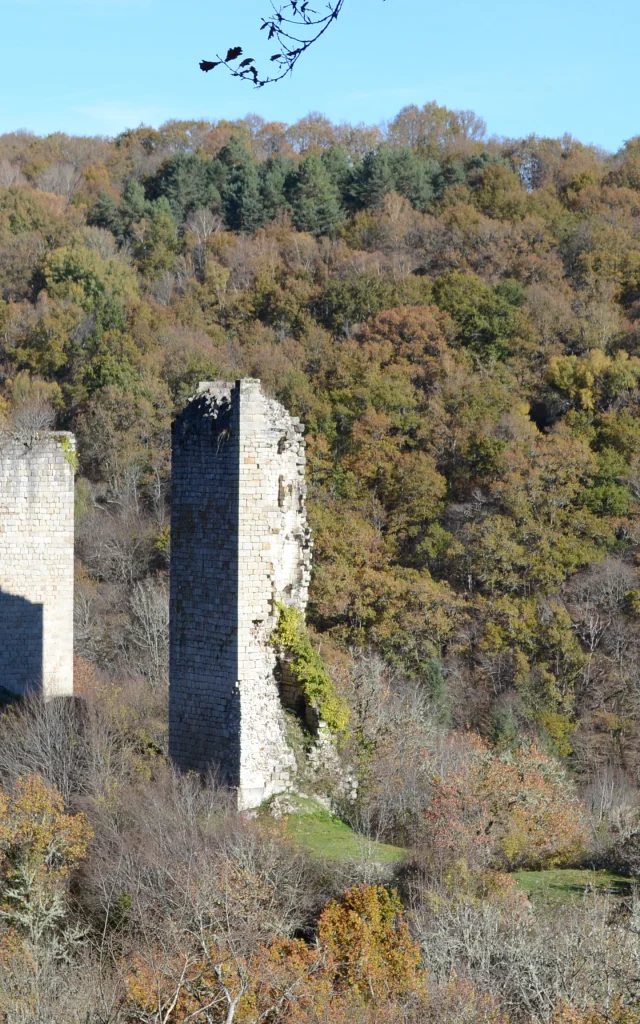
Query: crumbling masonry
239	544
36	564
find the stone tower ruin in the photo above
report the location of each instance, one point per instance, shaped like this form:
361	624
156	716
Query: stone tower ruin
36	564
239	544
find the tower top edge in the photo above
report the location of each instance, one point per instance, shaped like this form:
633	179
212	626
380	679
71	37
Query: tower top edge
216	386
36	441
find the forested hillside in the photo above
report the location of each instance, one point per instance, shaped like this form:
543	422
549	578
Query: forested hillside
456	319
456	322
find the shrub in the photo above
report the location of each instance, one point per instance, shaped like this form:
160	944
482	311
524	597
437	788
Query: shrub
367	935
511	809
39	846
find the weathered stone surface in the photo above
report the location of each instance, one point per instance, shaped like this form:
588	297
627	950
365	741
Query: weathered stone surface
36	565
239	543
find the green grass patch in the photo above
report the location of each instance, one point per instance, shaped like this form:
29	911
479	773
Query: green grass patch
566	885
326	837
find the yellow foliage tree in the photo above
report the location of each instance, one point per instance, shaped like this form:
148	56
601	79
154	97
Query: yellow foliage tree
39	847
367	935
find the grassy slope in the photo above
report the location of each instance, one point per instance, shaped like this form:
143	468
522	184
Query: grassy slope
564	885
326	837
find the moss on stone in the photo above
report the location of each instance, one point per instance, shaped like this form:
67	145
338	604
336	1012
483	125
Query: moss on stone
291	637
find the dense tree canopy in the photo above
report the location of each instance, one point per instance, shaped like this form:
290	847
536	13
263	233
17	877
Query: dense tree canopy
456	320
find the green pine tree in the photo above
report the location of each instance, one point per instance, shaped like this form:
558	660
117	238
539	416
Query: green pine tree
339	166
273	175
188	182
315	200
411	177
105	214
133	205
371	180
241	199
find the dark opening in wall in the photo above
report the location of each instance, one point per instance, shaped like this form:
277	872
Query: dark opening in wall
292	698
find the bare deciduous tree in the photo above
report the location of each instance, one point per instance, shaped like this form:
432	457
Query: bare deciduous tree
30	418
530	962
62	178
148	630
202	224
10	174
65	741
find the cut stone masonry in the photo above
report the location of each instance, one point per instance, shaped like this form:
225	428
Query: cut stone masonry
239	544
36	564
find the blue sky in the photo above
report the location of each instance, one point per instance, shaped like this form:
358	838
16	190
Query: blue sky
98	66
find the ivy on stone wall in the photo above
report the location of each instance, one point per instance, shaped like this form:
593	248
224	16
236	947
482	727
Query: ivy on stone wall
291	637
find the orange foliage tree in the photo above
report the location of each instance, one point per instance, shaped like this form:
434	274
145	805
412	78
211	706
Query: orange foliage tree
367	936
507	809
363	963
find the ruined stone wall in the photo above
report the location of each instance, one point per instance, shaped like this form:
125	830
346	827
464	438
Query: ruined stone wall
36	565
239	543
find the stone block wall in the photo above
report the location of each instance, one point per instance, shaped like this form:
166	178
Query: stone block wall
239	544
36	565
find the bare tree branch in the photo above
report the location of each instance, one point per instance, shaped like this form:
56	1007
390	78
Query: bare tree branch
294	27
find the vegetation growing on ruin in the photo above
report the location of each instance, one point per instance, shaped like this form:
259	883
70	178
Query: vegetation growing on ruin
292	639
70	454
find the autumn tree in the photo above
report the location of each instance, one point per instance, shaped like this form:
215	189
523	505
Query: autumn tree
40	845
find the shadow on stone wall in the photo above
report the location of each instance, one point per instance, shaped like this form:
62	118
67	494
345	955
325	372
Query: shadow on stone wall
21	641
204	699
